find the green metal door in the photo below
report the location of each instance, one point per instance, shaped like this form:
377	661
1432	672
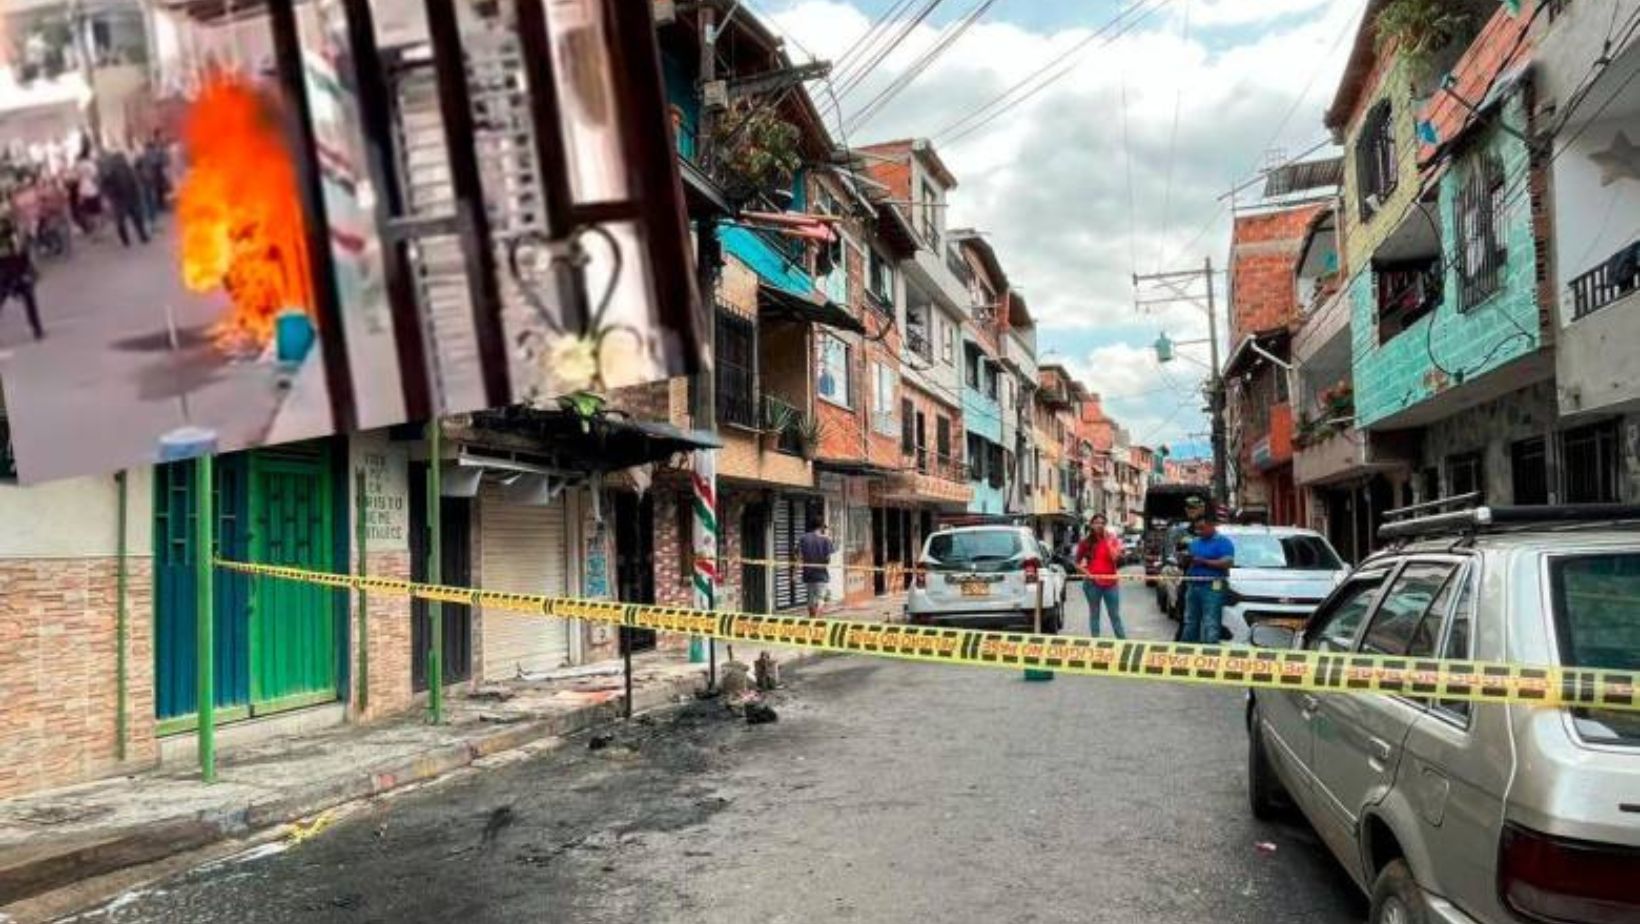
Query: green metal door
294	635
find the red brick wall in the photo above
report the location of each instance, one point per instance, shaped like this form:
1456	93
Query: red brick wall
57	670
895	174
1264	252
390	651
1475	71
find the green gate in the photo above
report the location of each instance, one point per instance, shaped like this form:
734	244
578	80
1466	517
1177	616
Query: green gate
294	634
278	644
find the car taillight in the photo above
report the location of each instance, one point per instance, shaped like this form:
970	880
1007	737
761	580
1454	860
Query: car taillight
1033	570
1551	878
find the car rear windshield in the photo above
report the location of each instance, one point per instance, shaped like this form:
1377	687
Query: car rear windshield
975	548
1298	553
1597	619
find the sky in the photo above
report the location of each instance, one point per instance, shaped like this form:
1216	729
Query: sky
1116	168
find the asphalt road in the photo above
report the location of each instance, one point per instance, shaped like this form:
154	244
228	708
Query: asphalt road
887	792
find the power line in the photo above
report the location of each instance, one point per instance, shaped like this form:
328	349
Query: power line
1309	87
858	75
1133	208
1005	100
868	39
1173	137
876	105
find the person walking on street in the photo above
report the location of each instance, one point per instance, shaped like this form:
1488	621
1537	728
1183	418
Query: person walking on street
815	549
1207	573
123	191
17	272
1098	555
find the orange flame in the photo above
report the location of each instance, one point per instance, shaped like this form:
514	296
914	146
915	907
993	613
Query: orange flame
239	211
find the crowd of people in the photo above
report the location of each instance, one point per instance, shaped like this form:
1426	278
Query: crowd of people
43	209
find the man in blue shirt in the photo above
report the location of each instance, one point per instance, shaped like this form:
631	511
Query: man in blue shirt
1206	580
814	548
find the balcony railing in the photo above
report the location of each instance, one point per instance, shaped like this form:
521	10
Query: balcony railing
916	340
1609	282
945	467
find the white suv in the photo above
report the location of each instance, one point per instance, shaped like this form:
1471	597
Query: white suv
1280	573
987	577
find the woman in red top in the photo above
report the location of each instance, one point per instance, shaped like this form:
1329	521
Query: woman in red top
1097	555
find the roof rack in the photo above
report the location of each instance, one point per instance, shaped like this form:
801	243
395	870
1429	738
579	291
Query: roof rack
1404	525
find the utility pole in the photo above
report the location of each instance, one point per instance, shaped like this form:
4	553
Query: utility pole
1215	382
706	530
1215	400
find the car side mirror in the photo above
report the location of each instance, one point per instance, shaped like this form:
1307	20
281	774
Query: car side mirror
1275	637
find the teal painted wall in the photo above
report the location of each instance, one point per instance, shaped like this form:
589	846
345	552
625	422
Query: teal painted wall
1398	375
680	92
764	259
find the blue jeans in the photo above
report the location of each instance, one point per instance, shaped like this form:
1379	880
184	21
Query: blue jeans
1203	613
1112	596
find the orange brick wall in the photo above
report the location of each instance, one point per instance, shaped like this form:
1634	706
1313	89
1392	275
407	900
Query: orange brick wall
389	617
1475	71
57	670
1264	252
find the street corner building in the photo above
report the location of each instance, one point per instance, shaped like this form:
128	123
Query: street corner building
286	221
1447	308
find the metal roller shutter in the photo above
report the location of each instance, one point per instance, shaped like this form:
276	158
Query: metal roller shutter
785	549
524	550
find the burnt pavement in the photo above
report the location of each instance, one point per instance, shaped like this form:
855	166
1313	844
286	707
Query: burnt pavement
885	792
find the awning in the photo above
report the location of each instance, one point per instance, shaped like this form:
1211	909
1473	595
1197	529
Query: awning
777	304
856	467
603	443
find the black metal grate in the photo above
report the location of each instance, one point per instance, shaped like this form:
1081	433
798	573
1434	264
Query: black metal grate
1614	279
736	370
1466	474
1375	165
1592	462
1481	254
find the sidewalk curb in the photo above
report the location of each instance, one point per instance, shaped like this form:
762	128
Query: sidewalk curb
34	871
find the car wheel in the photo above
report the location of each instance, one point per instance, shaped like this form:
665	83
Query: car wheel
1396	897
1265	795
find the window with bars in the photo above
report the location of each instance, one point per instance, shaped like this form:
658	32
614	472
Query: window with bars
1406	292
736	370
1529	470
1591	459
1375	166
879	280
1466	474
942	436
1481	252
909	437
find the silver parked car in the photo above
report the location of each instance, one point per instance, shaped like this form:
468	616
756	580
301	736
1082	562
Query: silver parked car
1456	812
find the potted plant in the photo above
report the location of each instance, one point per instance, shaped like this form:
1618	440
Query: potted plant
810	431
756	150
778	418
1421	30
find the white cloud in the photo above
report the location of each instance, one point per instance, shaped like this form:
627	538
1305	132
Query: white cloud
1243	12
1049	178
1157	404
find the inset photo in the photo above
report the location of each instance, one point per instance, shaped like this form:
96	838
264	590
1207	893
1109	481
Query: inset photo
229	225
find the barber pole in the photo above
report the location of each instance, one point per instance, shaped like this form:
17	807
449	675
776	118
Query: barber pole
703	481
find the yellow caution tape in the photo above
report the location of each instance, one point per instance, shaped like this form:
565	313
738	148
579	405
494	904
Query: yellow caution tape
1174	662
902	570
